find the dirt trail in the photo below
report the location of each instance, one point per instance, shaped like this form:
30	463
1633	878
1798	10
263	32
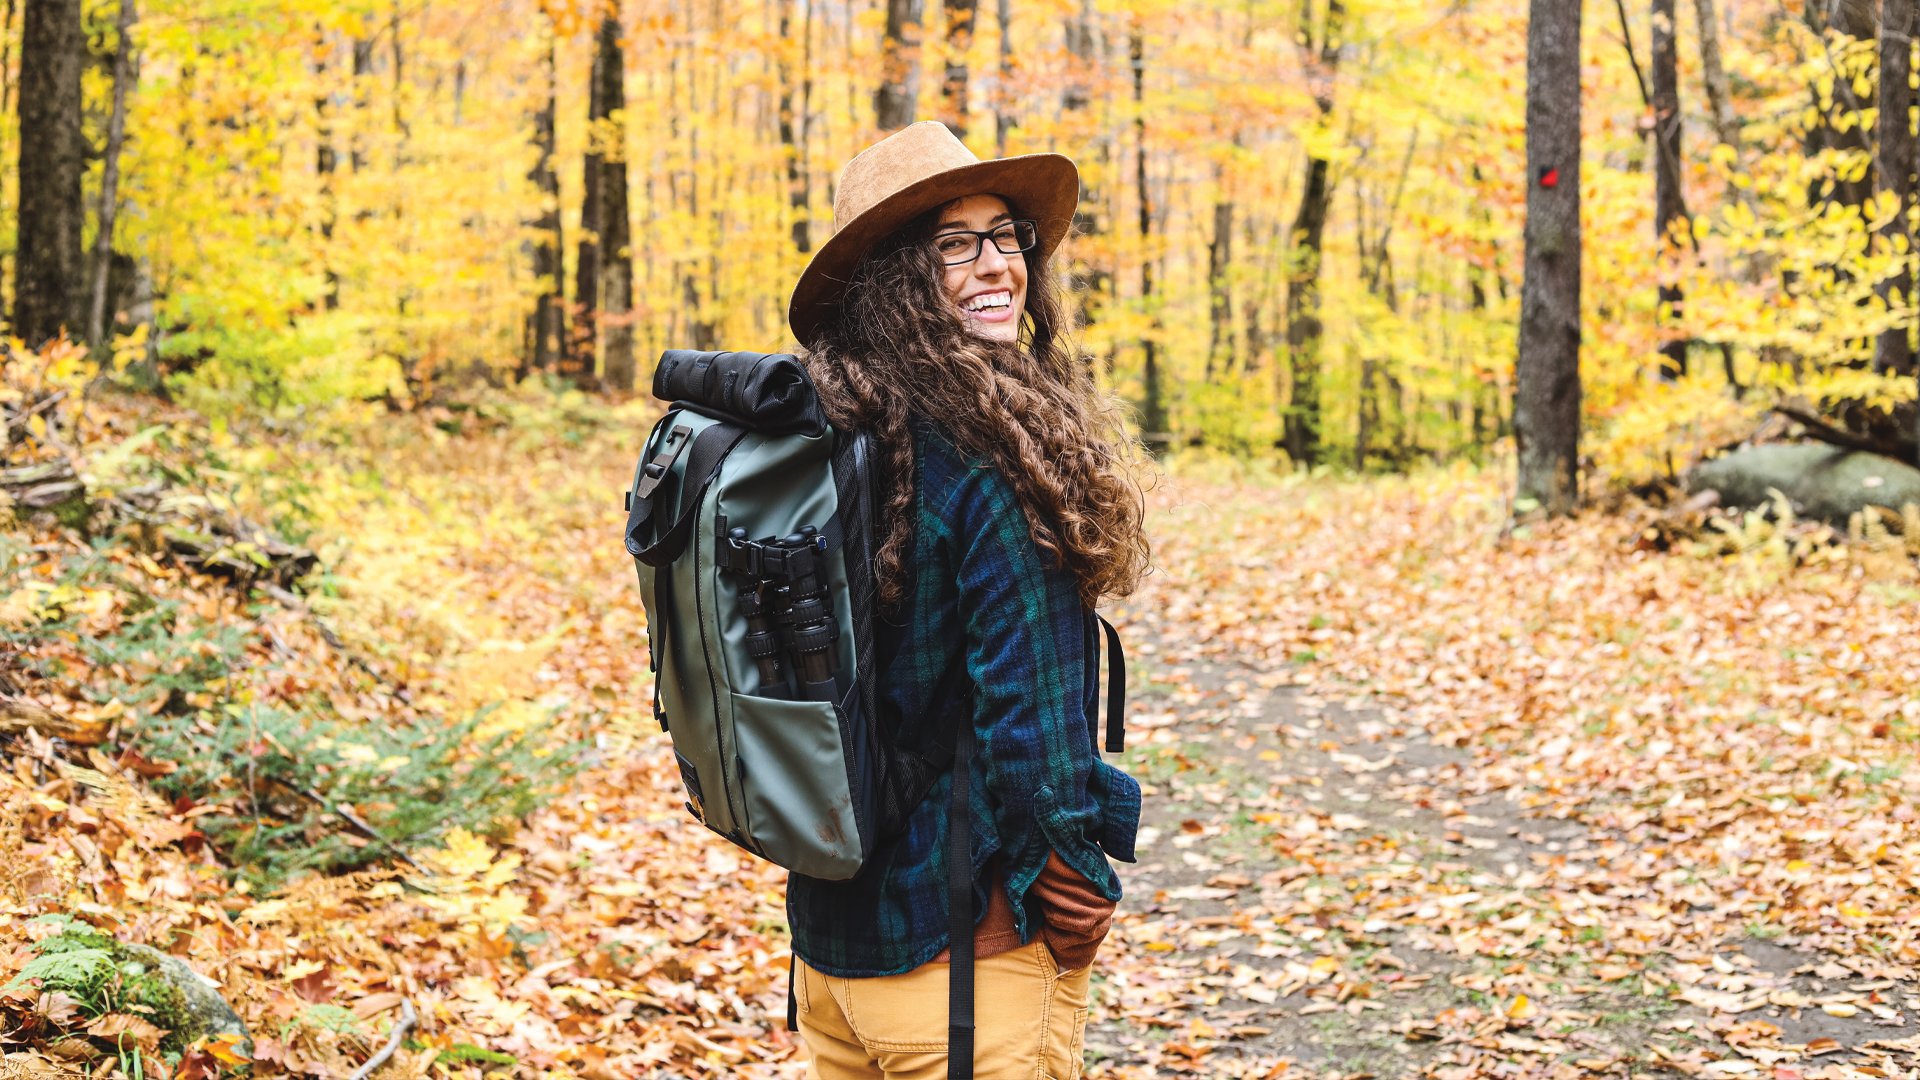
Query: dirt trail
1234	752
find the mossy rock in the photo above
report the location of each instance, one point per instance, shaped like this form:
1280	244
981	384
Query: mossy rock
203	1010
107	976
1825	483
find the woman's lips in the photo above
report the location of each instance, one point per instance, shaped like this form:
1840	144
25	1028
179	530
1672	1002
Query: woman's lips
1000	314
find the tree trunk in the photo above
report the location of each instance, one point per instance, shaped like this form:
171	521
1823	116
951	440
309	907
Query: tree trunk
1714	74
1369	411
1085	281
548	329
1546	403
953	90
1301	430
580	361
793	126
896	99
362	100
616	227
6	57
1893	172
1219	262
1855	19
326	161
50	286
1669	205
1003	94
1153	410
110	175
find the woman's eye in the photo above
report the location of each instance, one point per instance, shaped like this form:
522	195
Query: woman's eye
953	245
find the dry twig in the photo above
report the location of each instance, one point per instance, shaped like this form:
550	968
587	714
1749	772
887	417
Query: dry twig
408	1018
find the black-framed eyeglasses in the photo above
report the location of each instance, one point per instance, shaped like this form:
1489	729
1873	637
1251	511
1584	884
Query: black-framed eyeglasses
961	246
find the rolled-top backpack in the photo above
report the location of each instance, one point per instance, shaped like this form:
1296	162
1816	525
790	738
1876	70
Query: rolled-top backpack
752	523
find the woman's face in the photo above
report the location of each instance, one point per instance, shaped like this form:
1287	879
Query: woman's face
991	291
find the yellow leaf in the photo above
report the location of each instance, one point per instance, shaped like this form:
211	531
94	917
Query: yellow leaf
1521	1008
226	1048
465	853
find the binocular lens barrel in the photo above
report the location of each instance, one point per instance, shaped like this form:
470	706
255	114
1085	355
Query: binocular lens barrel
788	612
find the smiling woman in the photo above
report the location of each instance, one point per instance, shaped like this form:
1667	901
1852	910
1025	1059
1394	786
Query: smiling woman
985	252
931	320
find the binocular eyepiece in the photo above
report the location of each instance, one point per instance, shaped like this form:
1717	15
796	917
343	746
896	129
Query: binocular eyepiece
791	629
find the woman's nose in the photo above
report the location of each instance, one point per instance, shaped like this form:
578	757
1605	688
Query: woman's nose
991	262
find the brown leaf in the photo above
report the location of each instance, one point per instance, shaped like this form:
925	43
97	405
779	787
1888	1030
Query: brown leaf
374	1004
122	1029
317	987
58	1007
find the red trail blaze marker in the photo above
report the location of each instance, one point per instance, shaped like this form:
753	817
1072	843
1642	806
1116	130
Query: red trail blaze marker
1549	177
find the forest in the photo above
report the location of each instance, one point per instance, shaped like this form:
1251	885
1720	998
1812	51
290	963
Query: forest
1524	395
1300	238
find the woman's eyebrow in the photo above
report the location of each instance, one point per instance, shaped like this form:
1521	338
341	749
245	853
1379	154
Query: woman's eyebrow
962	225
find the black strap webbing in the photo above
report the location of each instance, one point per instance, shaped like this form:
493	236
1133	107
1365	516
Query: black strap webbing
960	909
793	1006
1116	689
710	448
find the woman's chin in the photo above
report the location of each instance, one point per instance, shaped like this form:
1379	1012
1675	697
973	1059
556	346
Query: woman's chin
1009	330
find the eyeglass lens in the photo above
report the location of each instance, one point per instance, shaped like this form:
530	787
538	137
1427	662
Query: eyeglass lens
1010	239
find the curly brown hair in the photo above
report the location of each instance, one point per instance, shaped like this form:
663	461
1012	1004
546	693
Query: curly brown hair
897	348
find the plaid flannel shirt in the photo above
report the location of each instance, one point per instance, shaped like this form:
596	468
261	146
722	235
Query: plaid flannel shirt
990	627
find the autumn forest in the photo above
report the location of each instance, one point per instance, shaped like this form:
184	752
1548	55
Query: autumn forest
1523	394
1301	226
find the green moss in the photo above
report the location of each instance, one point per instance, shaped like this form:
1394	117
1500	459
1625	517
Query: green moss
104	976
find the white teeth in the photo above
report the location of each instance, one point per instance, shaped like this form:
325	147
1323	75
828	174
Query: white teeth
989	300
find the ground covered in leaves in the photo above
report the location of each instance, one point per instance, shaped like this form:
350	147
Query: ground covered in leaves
1428	795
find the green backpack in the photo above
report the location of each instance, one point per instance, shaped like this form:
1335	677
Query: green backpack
752	523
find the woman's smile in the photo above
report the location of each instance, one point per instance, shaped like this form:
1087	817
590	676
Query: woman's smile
993	306
990	291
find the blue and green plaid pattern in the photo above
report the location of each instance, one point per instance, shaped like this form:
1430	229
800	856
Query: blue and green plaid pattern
991	629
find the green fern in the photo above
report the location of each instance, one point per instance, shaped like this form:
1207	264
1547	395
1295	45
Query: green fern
66	968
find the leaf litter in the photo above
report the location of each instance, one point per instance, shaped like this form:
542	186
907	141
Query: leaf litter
1443	795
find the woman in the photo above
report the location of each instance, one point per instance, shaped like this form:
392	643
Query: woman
932	320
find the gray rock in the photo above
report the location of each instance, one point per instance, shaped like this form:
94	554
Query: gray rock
1826	483
208	1007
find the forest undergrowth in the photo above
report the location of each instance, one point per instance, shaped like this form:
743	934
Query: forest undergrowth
1728	710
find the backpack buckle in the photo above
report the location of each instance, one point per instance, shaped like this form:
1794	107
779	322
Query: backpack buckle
657	469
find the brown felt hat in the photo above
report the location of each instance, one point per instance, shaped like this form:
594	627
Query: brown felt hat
916	169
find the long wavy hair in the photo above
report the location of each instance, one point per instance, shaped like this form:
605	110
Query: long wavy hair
898	349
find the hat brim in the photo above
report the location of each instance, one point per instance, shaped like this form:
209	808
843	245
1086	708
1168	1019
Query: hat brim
1042	187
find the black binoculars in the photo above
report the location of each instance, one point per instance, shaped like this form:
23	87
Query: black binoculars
791	629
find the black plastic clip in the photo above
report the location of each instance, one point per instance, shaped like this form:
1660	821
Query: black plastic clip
656	470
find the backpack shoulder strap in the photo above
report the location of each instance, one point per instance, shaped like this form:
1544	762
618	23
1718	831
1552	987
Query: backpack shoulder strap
960	909
710	448
1116	688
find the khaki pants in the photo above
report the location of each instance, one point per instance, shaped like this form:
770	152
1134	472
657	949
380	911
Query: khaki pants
1030	1019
